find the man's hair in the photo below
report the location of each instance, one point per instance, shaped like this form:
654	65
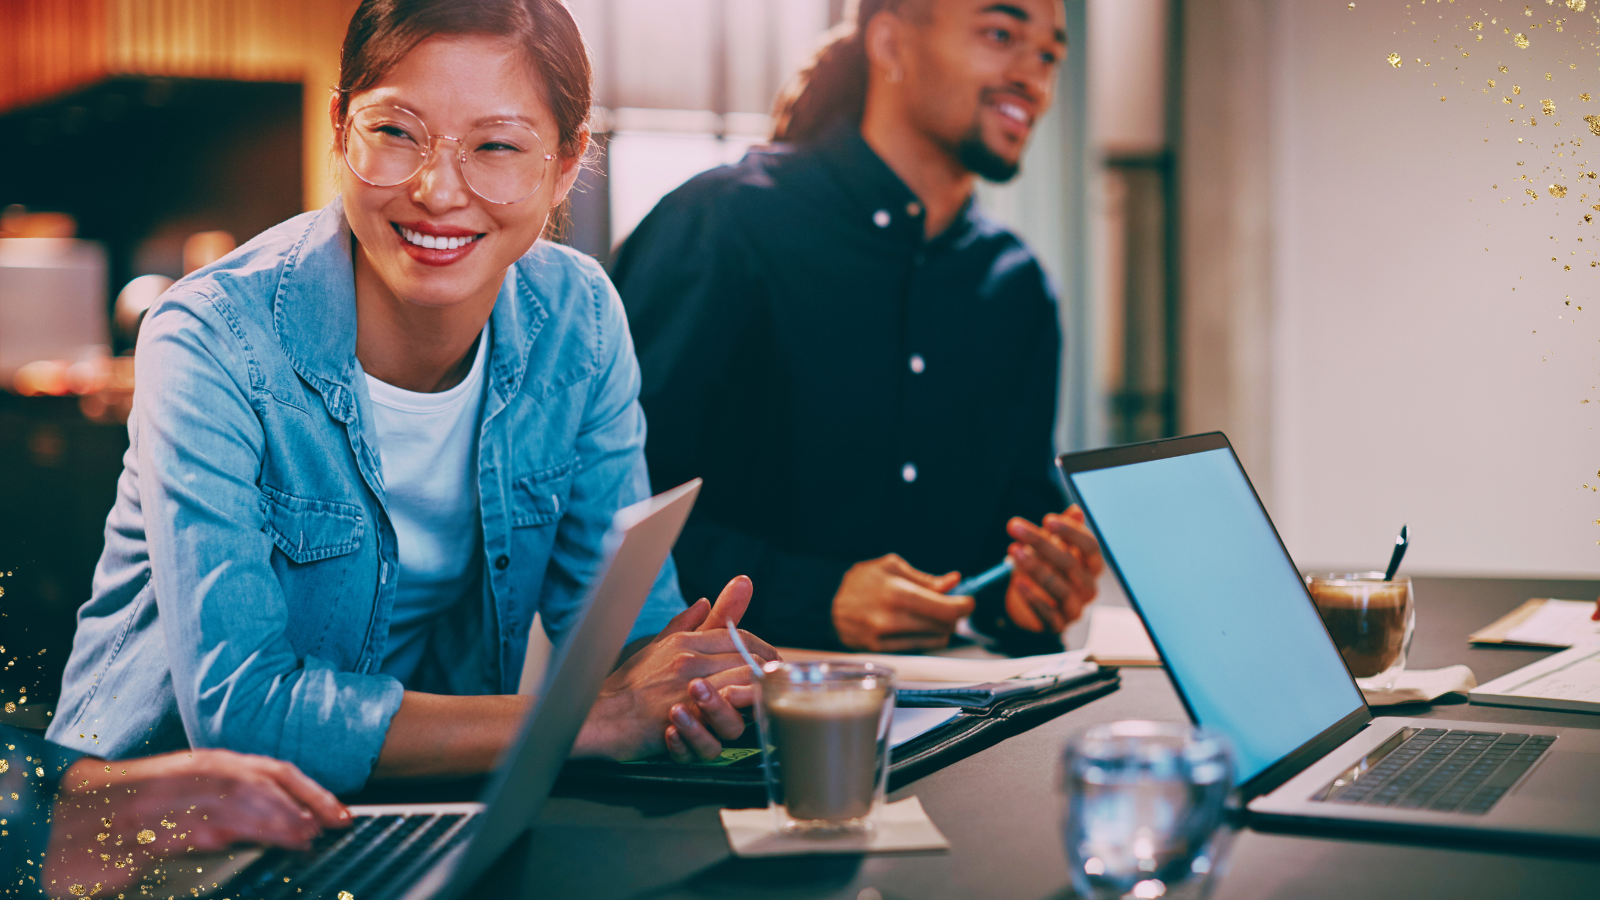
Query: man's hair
832	87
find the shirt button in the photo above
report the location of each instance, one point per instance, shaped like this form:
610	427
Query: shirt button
913	209
917	364
881	218
502	561
908	472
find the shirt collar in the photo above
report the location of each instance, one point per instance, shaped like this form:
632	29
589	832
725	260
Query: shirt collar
880	198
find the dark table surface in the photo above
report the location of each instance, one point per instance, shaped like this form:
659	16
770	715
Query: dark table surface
1001	810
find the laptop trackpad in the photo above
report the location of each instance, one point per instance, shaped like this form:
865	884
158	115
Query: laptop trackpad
1563	776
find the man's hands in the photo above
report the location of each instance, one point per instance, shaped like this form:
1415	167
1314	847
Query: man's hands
682	691
113	818
1056	568
885	605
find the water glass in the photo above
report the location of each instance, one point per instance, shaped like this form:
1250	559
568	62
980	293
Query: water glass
1145	807
825	740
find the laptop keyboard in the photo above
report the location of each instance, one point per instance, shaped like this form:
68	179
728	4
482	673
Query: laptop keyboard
376	857
1444	771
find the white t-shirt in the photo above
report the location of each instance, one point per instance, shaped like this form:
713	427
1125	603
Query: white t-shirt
428	446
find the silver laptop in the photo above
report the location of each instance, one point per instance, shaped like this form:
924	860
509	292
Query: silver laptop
1244	646
438	850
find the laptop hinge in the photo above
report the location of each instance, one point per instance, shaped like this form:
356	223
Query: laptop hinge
1301	759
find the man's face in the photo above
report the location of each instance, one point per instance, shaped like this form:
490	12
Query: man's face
980	73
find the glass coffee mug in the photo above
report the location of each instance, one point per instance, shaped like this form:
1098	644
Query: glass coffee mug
825	735
1370	621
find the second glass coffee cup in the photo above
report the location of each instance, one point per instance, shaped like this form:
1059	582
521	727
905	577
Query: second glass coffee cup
1370	620
825	736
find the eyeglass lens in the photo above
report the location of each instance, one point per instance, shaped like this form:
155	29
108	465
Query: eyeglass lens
385	146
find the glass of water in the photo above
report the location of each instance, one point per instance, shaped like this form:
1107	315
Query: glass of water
1145	808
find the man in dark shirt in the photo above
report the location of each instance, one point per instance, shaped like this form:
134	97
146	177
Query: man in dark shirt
861	366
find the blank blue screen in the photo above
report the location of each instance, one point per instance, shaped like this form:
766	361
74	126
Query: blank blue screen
1222	601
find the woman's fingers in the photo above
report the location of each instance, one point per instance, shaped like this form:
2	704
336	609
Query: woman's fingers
327	809
718	641
694	733
688	620
730	605
716	711
676	748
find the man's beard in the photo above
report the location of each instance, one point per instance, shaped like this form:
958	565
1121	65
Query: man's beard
976	157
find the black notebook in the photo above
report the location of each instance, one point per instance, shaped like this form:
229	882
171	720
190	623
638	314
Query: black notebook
963	732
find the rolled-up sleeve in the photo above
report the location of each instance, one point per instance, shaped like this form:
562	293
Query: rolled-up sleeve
238	682
612	475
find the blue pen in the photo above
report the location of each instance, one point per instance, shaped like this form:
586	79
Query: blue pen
978	582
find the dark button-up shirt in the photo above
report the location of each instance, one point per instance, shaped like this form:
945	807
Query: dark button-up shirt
846	387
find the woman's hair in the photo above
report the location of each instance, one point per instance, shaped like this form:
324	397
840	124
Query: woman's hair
382	32
833	85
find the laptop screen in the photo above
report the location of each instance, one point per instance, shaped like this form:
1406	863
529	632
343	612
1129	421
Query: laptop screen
1222	601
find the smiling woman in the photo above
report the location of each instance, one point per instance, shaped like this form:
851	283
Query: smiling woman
373	443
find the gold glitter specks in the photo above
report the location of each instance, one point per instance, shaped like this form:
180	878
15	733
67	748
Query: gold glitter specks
4	767
1491	82
1505	68
11	707
1351	6
1475	26
1558	190
168	825
1531	193
1395	60
149	837
346	895
101	837
1549	107
1521	40
1594	124
77	890
1584	97
1549	77
1576	5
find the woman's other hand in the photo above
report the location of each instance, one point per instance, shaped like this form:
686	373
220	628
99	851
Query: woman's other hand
682	691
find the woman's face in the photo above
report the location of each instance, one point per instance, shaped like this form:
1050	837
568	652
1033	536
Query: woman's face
454	84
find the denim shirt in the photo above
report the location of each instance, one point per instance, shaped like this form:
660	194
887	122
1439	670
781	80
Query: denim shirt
244	593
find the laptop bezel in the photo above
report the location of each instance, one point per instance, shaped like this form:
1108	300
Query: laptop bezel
1295	761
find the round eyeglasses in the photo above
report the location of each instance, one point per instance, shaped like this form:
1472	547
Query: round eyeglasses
502	162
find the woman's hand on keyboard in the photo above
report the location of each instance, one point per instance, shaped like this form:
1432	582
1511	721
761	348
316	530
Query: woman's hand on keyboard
112	818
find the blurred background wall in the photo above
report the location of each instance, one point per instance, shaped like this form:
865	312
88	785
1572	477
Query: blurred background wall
1256	223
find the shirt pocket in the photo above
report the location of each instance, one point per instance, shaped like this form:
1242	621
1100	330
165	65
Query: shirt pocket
310	530
541	498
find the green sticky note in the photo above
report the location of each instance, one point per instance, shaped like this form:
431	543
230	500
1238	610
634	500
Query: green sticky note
726	758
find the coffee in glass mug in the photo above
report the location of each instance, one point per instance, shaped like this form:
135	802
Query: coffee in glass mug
1370	621
825	734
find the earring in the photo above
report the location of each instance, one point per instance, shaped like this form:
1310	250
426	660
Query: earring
896	76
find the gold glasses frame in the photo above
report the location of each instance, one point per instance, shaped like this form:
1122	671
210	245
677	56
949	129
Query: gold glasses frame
427	148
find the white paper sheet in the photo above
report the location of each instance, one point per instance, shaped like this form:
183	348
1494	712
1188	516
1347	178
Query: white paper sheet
1558	623
909	722
951	669
1117	637
1423	685
898	827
